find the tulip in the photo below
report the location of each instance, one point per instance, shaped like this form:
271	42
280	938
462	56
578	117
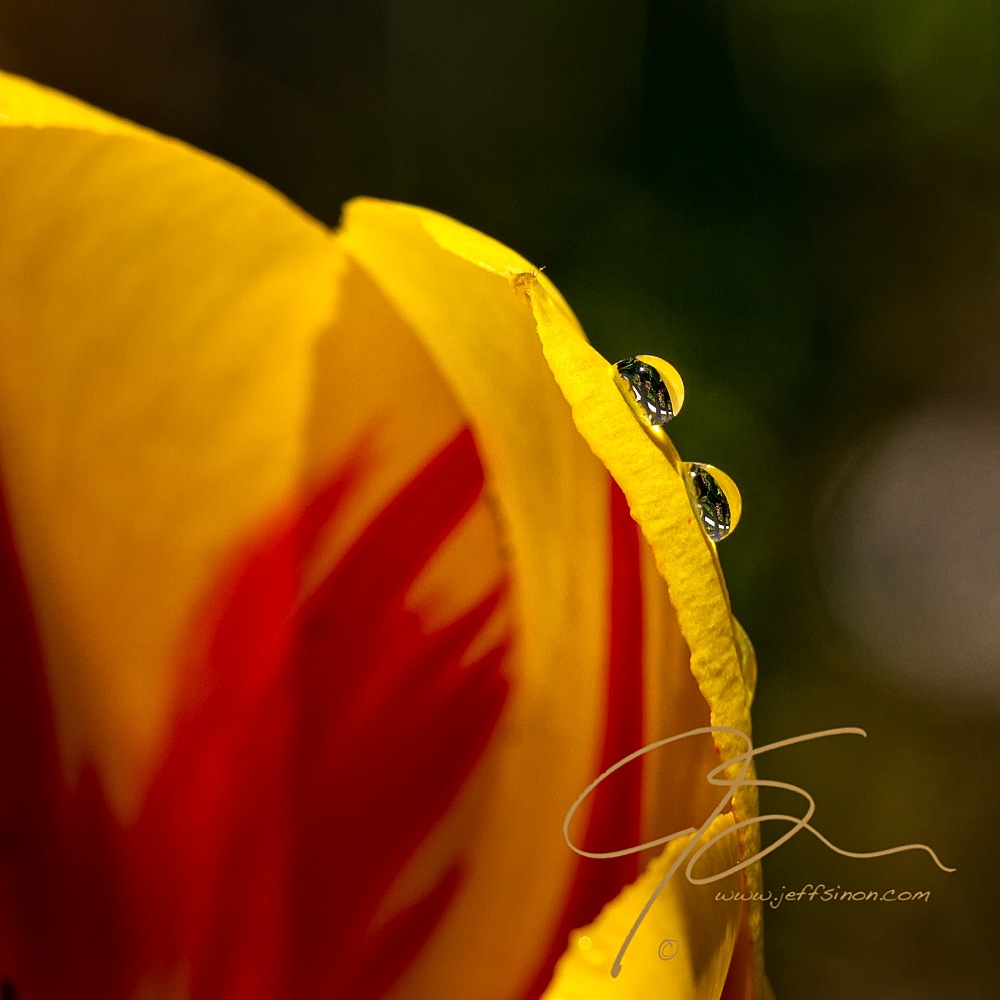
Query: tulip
334	568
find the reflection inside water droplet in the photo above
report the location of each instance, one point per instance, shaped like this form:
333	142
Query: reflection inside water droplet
715	498
652	387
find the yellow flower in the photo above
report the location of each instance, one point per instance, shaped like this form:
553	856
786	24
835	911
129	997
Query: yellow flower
323	601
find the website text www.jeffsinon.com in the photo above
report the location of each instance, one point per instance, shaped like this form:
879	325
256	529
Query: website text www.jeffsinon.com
826	894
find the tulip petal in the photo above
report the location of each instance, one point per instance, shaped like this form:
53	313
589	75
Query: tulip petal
683	946
542	405
657	494
150	417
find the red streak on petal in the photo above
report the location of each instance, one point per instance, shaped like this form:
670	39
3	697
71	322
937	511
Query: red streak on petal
739	976
359	732
58	845
616	814
28	767
395	946
316	744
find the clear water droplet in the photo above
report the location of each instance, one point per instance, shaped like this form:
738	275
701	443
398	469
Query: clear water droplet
652	388
590	952
715	498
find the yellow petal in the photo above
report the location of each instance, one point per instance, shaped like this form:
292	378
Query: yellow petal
549	421
482	339
682	947
161	310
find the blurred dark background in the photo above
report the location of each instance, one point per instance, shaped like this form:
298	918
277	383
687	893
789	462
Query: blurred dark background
798	205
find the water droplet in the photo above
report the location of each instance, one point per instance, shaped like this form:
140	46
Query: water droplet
590	952
715	498
652	388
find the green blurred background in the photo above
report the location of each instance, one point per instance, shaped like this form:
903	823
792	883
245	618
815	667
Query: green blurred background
798	205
